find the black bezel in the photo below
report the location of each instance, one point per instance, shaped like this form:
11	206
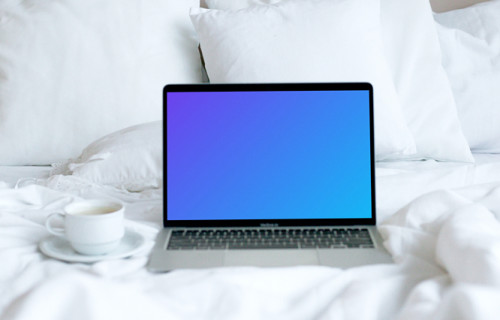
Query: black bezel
267	87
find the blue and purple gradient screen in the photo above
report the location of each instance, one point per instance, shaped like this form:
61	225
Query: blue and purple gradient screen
268	155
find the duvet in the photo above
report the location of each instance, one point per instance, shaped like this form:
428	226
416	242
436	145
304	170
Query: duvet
446	247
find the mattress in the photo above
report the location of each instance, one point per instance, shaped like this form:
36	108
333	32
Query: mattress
423	208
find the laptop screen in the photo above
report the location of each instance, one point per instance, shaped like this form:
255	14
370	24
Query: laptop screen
273	154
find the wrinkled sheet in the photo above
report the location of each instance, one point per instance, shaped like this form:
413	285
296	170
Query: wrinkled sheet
446	245
459	232
36	287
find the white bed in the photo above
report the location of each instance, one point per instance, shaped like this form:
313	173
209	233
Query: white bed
439	217
419	285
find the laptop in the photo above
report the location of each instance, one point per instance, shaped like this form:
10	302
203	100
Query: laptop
268	175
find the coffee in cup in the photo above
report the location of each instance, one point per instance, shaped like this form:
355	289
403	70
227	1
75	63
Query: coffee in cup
92	227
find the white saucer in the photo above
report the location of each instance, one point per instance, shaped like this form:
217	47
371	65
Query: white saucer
59	248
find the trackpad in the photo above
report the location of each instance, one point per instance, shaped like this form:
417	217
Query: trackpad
270	258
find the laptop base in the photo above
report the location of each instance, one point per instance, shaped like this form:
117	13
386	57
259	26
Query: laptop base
165	260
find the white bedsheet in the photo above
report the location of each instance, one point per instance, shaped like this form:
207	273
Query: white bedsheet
446	245
12	175
400	182
458	231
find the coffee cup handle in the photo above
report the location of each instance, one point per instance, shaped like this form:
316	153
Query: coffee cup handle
55	231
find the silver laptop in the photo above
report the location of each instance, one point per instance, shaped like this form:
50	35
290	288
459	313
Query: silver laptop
268	175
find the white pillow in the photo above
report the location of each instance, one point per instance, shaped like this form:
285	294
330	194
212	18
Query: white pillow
129	159
306	41
411	47
470	42
72	71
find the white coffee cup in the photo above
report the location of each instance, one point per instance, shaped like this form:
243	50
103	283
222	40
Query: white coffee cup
92	227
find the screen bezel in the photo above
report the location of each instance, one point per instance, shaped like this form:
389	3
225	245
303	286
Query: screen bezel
355	86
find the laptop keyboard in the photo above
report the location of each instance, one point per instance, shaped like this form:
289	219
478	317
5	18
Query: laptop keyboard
321	238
